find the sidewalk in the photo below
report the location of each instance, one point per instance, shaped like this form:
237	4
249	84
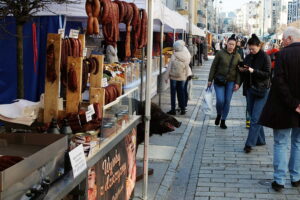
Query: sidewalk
203	162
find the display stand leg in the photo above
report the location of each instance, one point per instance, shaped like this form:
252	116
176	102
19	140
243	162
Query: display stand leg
142	75
160	64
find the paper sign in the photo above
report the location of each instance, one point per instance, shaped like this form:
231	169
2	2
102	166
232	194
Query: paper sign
93	148
61	31
89	115
78	160
74	34
113	74
104	82
91	108
84	52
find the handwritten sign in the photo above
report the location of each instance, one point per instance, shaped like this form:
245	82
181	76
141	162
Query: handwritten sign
74	34
78	160
61	31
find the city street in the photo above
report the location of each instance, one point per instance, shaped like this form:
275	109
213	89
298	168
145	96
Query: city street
203	162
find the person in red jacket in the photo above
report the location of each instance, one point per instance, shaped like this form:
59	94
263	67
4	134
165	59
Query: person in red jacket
272	53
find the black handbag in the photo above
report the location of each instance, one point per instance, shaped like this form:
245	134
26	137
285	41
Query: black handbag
221	80
258	92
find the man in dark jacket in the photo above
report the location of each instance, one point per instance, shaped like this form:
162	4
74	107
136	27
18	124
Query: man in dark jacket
282	110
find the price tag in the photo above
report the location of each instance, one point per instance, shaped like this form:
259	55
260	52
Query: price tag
61	31
104	82
84	52
113	74
78	160
93	148
91	108
74	34
89	115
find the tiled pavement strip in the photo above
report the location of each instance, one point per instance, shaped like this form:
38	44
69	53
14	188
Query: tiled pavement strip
209	163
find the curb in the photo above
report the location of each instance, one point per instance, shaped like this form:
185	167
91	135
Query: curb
171	171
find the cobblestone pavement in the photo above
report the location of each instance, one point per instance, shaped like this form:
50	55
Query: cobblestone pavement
208	162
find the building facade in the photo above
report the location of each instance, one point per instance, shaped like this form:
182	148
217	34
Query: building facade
293	11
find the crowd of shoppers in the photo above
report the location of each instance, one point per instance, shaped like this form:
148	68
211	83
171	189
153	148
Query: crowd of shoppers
271	84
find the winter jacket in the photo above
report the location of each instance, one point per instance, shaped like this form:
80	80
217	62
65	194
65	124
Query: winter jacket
220	66
181	54
284	97
260	77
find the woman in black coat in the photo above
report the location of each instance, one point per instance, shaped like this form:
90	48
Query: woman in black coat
256	71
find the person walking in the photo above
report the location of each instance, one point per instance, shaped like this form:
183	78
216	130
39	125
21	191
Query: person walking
282	110
226	77
177	72
257	71
217	47
200	52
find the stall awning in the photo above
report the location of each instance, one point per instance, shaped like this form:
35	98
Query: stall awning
198	31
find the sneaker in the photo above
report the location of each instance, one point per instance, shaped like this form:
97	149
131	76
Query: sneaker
182	112
295	184
247	149
171	112
247	124
223	125
277	187
217	121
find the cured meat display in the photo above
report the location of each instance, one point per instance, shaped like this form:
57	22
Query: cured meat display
51	73
110	14
111	93
70	47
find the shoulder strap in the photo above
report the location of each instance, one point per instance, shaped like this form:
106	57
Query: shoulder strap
230	64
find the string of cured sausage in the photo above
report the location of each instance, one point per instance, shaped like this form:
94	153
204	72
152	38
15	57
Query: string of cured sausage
111	93
110	14
70	47
50	69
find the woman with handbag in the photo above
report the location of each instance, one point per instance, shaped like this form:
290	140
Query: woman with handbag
226	77
257	71
178	72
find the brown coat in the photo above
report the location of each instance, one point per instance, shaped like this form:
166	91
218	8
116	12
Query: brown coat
279	111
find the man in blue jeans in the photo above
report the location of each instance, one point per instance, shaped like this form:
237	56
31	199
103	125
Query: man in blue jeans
282	111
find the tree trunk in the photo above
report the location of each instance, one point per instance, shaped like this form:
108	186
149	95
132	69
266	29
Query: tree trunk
20	89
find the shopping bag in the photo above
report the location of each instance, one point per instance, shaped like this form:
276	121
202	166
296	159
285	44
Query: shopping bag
207	105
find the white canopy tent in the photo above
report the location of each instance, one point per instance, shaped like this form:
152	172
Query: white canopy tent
172	20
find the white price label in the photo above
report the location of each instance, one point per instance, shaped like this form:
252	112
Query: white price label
89	115
104	82
93	148
84	52
78	160
91	108
74	34
61	31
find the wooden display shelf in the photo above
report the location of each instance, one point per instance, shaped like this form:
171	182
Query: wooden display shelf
52	88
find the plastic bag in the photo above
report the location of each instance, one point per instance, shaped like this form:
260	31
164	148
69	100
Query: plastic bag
207	105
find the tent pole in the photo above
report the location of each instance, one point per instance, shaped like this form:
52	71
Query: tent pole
161	62
142	74
174	36
148	97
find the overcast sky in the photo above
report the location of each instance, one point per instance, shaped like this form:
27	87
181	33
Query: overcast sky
231	5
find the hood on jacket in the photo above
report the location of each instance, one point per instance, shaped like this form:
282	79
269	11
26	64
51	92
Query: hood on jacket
181	52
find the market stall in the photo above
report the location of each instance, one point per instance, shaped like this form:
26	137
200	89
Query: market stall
91	104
